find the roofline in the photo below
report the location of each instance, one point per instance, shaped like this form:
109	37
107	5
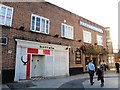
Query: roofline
74	14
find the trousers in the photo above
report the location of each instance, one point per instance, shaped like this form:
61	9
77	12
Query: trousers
91	74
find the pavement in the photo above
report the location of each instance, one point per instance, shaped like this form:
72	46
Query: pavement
80	82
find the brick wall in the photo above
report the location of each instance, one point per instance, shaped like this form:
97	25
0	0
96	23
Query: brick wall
22	17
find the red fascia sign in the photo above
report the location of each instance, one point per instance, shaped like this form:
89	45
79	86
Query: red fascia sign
46	52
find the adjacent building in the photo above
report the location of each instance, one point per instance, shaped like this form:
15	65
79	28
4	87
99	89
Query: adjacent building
109	47
42	39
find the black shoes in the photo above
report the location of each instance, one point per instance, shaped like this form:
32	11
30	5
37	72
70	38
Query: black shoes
102	85
92	83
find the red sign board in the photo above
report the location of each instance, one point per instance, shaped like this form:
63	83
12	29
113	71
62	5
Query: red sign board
46	52
32	50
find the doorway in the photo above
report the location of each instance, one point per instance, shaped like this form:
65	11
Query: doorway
86	62
38	65
95	62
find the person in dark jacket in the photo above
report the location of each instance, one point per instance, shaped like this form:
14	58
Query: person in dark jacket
100	73
117	67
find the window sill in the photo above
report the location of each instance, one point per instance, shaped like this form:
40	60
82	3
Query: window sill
39	33
5	26
67	38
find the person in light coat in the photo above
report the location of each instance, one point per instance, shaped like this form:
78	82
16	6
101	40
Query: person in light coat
91	71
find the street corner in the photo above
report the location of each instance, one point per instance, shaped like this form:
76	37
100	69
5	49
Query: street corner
109	82
4	87
18	85
74	84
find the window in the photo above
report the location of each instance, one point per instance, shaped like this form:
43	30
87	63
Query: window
99	40
109	44
40	24
87	36
6	14
107	33
109	40
67	31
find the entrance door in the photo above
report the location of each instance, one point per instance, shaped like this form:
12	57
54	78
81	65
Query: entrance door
37	65
95	62
86	62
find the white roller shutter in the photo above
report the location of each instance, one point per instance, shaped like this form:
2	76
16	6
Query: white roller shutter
49	65
60	63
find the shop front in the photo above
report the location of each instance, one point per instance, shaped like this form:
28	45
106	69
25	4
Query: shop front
35	59
95	53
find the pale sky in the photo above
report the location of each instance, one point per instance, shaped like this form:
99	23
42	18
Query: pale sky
102	12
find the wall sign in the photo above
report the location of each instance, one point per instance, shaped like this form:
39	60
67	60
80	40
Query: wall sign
46	52
78	57
23	61
82	23
46	47
37	51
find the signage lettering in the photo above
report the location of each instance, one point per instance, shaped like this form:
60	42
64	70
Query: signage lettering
82	23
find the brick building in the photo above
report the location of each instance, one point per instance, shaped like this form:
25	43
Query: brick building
109	47
42	39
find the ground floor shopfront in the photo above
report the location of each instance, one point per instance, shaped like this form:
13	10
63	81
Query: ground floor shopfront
82	67
37	59
97	59
40	59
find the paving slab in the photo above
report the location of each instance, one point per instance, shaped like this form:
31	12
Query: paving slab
108	83
80	82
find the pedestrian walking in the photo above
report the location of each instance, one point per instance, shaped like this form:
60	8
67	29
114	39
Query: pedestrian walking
117	67
104	65
91	71
100	74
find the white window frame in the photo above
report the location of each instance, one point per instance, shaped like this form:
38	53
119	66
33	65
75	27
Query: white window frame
87	36
67	34
99	41
40	31
7	7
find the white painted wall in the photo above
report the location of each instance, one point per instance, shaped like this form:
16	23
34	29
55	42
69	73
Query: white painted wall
17	70
38	67
61	63
20	68
55	64
49	66
42	65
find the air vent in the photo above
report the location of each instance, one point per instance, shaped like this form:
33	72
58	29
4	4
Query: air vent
3	40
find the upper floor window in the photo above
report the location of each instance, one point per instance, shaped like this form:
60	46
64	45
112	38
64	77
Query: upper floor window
40	24
6	14
87	36
107	33
100	40
67	31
